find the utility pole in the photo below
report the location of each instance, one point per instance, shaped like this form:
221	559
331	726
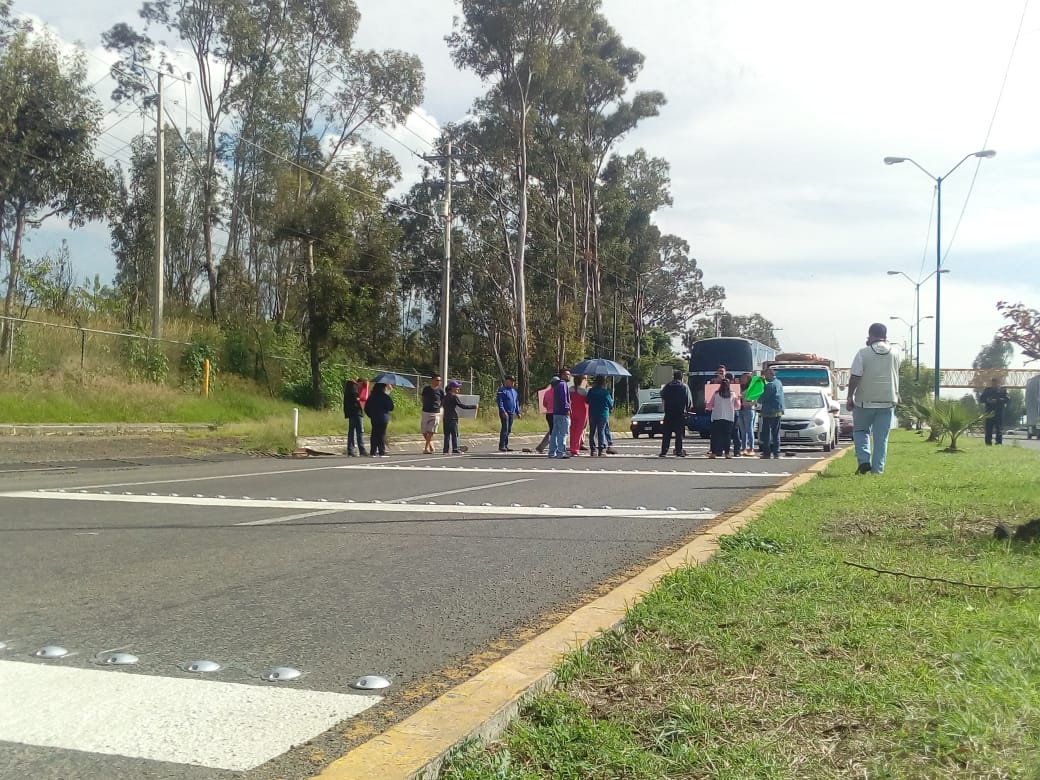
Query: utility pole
447	159
446	281
160	216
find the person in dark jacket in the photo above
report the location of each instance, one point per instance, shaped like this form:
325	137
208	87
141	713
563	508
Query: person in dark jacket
378	409
676	400
600	403
994	399
451	405
561	415
355	415
771	410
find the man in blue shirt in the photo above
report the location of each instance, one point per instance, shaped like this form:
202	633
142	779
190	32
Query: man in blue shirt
508	410
770	410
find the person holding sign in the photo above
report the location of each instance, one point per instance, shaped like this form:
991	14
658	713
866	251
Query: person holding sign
771	407
451	405
751	388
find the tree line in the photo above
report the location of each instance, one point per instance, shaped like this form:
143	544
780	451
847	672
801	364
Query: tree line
279	214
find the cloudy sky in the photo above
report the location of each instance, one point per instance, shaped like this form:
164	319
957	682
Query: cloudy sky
778	117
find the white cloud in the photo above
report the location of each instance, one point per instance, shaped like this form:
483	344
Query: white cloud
779	116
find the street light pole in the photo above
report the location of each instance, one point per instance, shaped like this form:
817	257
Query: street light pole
938	276
910	343
984	154
916	345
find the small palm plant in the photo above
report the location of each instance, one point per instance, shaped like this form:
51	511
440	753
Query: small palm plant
919	411
952	418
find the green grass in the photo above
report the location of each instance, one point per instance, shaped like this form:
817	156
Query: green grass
778	660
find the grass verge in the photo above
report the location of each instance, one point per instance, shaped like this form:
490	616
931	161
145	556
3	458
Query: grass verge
778	660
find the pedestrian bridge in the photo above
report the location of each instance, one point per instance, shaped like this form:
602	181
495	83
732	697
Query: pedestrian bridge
969	378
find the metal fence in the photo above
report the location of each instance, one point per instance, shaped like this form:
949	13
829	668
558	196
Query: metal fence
37	347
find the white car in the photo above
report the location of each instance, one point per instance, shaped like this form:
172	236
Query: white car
810	418
649	419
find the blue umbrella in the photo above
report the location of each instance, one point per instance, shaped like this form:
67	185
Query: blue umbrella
390	378
599	367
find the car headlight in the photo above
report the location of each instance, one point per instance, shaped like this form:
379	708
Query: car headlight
819	420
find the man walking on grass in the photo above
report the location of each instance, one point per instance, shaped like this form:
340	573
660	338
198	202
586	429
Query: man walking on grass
429	420
873	394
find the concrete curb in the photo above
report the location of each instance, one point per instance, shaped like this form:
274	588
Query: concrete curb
98	429
483	706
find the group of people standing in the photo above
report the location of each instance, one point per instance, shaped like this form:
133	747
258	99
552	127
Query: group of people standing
442	404
376	404
733	405
438	404
571	412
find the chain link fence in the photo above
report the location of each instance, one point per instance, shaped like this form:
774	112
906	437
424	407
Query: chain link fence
33	346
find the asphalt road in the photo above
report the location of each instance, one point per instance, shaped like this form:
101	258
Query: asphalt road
403	567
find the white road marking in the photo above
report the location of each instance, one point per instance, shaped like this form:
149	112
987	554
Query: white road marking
207	723
281	472
461	490
574	472
338	506
37	471
289	518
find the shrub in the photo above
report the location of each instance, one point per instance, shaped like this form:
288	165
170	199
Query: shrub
193	361
145	360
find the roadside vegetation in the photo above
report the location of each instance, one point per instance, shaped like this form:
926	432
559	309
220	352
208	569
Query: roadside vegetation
244	414
780	659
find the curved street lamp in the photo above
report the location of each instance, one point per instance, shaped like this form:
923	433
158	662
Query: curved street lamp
916	345
983	154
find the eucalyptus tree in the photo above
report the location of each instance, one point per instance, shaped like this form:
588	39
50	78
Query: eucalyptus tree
515	45
584	109
132	224
49	125
657	282
221	36
347	297
482	290
339	93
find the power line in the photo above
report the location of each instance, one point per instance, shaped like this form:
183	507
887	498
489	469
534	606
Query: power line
992	121
928	236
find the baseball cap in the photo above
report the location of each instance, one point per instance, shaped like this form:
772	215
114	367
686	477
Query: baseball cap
454	383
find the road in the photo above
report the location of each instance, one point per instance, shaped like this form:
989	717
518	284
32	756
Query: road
403	567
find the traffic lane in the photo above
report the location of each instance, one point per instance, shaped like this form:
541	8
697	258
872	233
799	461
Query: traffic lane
20	761
530	483
337	599
178	478
75	478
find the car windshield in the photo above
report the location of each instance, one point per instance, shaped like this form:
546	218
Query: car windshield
803	400
650	409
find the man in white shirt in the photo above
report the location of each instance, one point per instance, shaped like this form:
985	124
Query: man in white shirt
873	394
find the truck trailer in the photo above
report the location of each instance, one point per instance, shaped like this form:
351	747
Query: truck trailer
1033	407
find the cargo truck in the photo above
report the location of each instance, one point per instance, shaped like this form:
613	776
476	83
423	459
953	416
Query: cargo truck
1033	407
